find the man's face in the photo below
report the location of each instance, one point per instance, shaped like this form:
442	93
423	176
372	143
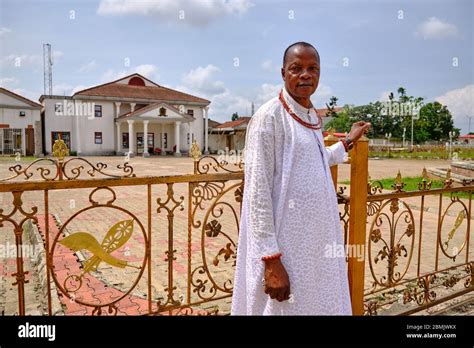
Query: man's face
301	71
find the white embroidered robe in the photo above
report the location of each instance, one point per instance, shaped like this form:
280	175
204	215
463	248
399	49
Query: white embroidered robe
290	206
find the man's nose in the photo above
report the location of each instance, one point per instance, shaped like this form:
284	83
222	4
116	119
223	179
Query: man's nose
305	74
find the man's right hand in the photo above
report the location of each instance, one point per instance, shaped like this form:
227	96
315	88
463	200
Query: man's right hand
277	282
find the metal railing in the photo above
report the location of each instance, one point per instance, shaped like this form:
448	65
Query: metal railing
175	249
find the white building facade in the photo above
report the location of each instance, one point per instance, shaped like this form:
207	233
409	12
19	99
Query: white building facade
20	125
132	115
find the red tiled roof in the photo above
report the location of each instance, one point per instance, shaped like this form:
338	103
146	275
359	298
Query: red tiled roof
19	97
236	123
212	123
151	107
324	112
113	89
339	135
467	136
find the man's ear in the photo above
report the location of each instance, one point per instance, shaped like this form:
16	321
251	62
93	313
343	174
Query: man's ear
283	73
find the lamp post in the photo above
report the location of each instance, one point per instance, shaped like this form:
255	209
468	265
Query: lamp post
451	135
404	131
388	136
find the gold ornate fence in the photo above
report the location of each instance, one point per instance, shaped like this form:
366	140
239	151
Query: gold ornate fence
167	244
172	252
415	244
418	261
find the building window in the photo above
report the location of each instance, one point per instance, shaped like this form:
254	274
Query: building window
98	137
58	108
22	113
98	110
165	140
191	112
125	140
188	139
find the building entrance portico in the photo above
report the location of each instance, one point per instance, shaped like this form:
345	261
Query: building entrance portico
166	129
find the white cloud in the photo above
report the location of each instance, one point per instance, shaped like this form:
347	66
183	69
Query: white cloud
225	104
434	28
322	95
111	75
8	81
460	103
27	94
195	12
384	96
201	81
62	89
88	67
79	88
149	71
267	65
21	60
4	31
267	92
267	31
67	89
57	55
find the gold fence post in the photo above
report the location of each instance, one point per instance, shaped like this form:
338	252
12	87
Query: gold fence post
195	153
329	140
357	223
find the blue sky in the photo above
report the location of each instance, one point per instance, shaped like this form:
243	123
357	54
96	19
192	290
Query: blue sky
230	51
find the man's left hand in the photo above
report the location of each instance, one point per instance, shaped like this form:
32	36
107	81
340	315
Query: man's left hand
358	129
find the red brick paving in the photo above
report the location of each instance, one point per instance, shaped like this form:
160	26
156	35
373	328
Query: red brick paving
93	290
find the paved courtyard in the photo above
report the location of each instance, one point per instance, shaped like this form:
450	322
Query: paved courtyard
211	247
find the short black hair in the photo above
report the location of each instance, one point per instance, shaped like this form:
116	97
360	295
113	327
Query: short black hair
299	43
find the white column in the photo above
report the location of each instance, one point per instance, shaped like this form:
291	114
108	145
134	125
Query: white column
206	132
132	106
23	141
145	139
117	109
119	139
78	134
176	138
163	152
131	138
190	135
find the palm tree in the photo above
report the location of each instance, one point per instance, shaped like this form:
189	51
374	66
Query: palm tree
401	91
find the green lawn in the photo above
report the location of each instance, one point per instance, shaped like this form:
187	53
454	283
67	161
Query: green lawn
11	159
462	154
411	184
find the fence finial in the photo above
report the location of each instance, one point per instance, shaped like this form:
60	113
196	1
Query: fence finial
195	151
331	135
60	149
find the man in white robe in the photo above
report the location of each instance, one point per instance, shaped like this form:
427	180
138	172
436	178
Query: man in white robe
290	212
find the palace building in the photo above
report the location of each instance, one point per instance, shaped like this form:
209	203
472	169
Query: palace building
20	125
132	115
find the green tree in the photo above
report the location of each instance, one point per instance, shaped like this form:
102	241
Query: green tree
235	116
332	104
432	121
340	121
435	123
